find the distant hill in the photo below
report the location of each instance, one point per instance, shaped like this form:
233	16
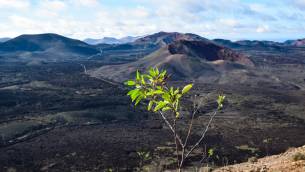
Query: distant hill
46	46
258	43
165	38
189	58
298	42
4	39
226	43
247	43
110	40
53	47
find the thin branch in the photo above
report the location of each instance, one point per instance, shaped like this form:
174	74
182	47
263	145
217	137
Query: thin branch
191	123
190	128
203	134
175	135
171	128
188	133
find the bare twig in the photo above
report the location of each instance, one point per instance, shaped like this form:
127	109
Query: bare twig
202	135
196	108
192	119
176	143
171	127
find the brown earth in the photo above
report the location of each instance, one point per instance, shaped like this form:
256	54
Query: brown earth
277	163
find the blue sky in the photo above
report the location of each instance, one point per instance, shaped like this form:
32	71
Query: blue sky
229	19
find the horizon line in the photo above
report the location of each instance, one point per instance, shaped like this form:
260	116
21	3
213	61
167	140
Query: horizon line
280	40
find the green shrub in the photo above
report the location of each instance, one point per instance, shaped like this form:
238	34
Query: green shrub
153	91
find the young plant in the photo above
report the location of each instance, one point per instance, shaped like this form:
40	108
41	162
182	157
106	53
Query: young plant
144	157
160	98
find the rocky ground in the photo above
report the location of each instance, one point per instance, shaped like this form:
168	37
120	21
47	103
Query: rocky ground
290	161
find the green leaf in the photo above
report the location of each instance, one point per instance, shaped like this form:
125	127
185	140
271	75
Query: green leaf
210	152
130	83
134	94
147	156
132	91
187	88
152	72
176	91
159	87
166	96
166	108
163	73
147	76
143	80
177	114
150	105
157	71
158	92
140	97
160	105
150	93
220	101
138	76
172	91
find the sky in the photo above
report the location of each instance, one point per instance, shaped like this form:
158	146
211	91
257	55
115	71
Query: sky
228	19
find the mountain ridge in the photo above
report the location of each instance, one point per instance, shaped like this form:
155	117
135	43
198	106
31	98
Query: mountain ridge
53	47
164	38
111	40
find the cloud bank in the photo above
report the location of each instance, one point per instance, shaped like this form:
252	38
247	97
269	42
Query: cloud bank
231	19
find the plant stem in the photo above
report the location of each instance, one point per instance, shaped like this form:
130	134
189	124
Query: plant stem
202	135
177	149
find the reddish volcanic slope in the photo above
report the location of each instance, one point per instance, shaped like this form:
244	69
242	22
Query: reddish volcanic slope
208	51
299	42
186	59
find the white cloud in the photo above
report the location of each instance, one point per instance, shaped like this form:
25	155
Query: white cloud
88	3
93	18
262	29
53	5
22	22
230	22
16	4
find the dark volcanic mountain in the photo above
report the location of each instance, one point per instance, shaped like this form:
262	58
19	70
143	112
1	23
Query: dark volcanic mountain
191	59
165	38
46	46
248	43
256	43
